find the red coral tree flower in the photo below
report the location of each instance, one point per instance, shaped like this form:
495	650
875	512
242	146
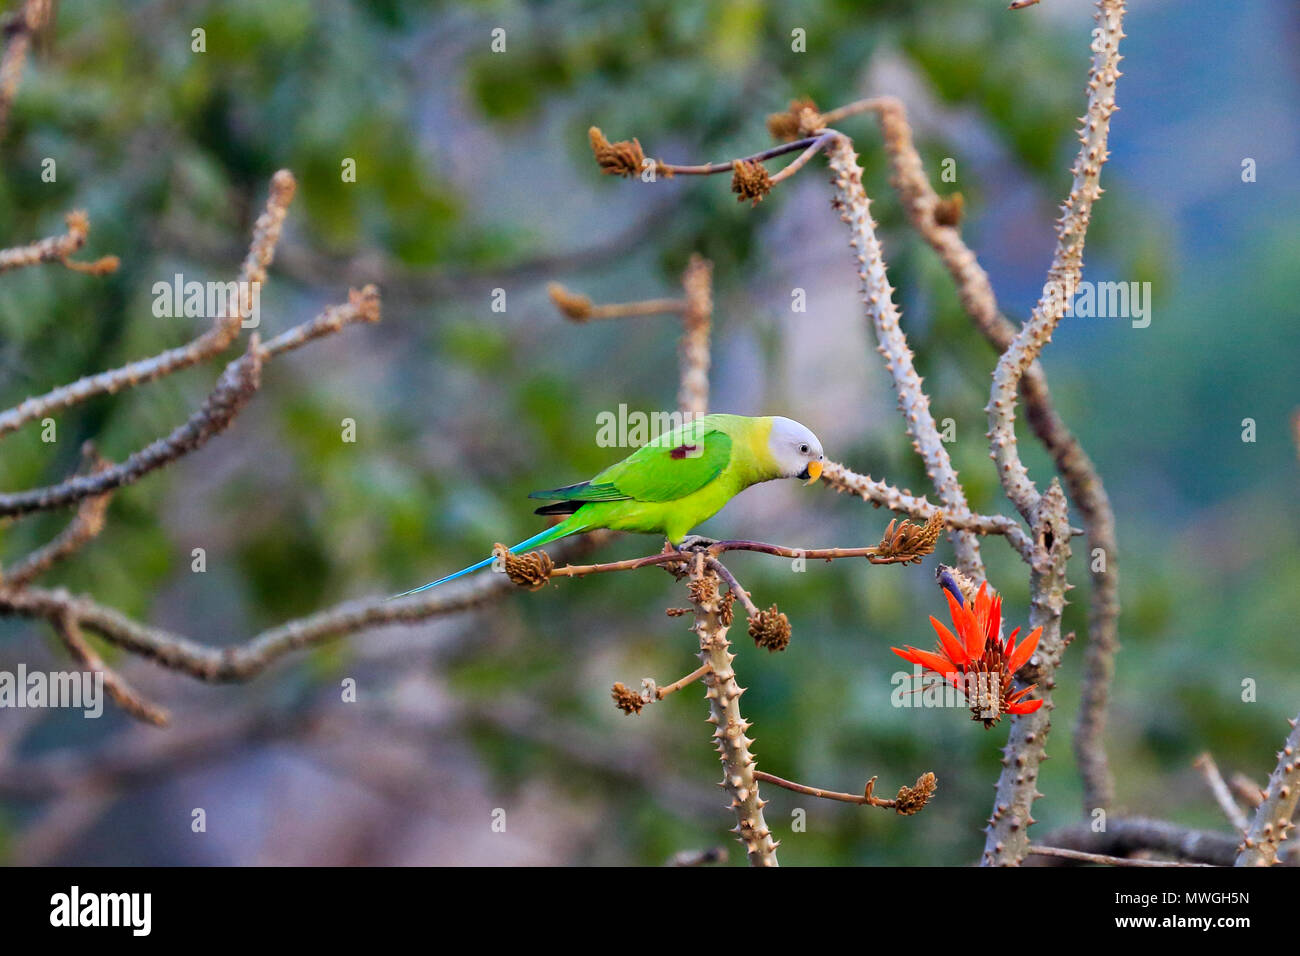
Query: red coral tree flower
976	660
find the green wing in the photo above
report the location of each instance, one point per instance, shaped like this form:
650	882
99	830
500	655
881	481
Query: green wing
671	467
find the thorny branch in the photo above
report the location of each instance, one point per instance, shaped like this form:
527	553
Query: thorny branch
1007	837
937	220
1272	823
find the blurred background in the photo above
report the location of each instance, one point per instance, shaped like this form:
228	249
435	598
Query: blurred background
474	174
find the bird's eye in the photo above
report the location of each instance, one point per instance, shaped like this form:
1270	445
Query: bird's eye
803	449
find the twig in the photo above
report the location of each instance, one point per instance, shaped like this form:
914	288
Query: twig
1247	790
1210	770
1272	823
59	249
733	586
713	169
229	396
694	349
243	661
691	678
126	696
223	332
580	308
1083	857
910	800
881	494
85	526
19	28
696	310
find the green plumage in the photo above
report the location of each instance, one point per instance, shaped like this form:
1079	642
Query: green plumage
677	481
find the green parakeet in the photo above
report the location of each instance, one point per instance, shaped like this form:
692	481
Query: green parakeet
677	481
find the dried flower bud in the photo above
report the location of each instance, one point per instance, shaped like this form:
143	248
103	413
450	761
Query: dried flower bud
531	570
749	180
913	799
800	120
703	590
908	543
771	629
948	210
726	613
571	304
626	699
623	158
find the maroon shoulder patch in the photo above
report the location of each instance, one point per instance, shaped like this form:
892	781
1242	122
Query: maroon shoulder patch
685	451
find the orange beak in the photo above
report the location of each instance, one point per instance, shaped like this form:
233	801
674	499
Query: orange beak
814	472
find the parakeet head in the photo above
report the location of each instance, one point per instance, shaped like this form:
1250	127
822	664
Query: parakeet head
795	448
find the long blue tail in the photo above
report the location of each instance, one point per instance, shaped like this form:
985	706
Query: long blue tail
561	530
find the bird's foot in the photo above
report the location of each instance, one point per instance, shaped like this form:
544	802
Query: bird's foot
696	542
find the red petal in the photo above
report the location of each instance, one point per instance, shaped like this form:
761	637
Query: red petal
1024	707
964	621
1020	693
1011	644
951	646
994	622
1024	651
935	662
905	655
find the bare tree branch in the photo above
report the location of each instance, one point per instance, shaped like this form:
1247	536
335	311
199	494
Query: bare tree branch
229	396
1067	262
19	27
214	341
1219	787
85	526
126	696
1272	824
724	713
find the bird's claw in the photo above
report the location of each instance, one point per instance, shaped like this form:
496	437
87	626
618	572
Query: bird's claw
696	542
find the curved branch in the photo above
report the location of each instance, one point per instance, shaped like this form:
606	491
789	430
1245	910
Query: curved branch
224	330
1067	262
232	392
